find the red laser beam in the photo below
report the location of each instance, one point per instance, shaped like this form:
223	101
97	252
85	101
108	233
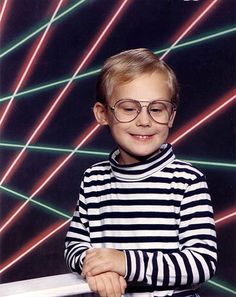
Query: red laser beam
28	64
50	174
61	162
52	107
225	217
4	9
204	117
198	16
52	230
39	239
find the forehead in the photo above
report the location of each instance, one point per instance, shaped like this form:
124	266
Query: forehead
145	87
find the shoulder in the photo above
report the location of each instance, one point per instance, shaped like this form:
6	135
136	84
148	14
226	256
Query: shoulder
100	168
185	169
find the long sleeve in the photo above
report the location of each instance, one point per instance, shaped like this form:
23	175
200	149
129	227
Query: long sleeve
77	239
195	262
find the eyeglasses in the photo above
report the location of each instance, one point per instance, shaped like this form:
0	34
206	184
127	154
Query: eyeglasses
127	110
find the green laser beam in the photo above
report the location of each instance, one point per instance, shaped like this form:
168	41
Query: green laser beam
9	49
54	149
207	163
48	149
52	84
96	71
42	205
220	286
198	40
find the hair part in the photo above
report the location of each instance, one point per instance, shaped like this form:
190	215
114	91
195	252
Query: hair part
128	65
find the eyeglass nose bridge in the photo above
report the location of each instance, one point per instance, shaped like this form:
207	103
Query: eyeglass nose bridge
147	112
146	105
141	106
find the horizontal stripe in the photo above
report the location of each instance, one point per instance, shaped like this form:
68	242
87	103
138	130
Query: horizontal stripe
139	239
196	215
134	191
125	227
137	214
132	203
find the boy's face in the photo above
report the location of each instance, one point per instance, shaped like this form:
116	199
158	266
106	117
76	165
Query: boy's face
143	136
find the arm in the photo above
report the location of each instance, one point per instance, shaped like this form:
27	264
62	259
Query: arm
195	262
77	243
77	238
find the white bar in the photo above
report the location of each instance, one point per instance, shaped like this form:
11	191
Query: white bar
51	286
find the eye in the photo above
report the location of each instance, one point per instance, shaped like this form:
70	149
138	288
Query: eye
128	107
157	108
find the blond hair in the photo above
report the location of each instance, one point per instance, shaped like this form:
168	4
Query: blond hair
128	65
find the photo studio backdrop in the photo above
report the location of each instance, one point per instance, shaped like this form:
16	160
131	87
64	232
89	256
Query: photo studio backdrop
51	53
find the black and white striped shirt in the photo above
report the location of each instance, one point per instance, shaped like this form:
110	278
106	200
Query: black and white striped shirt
158	212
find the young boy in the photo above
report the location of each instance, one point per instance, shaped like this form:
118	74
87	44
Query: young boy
143	224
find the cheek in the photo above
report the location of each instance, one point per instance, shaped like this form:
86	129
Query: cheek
119	129
164	131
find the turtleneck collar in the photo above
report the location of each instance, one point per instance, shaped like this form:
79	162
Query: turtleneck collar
142	169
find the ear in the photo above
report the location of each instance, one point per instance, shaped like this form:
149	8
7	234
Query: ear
171	120
100	113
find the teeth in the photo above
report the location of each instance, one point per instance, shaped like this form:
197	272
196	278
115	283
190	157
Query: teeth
142	136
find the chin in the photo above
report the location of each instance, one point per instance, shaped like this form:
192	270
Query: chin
144	154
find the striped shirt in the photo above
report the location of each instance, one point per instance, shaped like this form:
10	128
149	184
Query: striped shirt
157	211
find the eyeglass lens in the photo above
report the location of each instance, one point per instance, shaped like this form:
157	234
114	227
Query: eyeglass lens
128	110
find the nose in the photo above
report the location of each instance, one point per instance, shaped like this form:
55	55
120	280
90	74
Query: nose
143	118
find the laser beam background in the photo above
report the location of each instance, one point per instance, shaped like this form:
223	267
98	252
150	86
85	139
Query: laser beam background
203	132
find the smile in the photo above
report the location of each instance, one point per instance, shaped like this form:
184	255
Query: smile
142	137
